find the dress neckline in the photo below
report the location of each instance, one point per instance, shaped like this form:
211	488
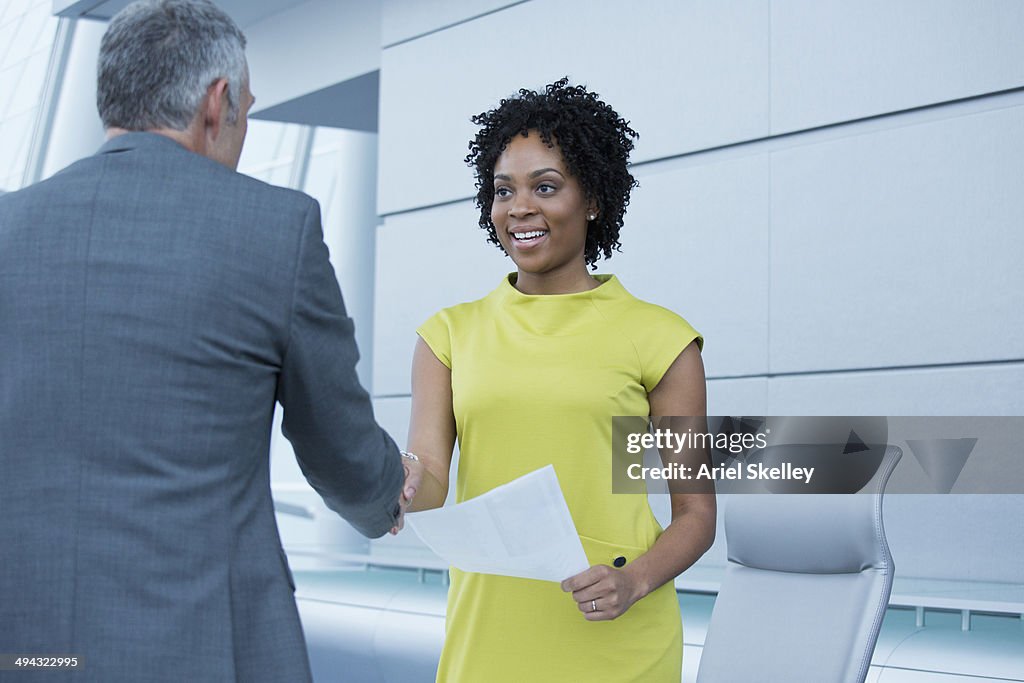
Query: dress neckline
609	288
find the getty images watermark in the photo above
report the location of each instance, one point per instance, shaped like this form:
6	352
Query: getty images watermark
744	454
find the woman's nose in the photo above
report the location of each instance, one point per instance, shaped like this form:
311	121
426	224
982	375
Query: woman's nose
521	205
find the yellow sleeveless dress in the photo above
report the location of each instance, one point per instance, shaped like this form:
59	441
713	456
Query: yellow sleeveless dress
536	381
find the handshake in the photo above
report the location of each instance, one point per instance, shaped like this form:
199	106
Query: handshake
413	476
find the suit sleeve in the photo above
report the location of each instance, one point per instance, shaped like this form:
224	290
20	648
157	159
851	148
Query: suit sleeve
328	418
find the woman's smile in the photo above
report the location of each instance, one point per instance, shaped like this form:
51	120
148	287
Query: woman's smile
527	237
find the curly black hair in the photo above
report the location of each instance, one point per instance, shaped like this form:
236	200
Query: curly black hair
595	143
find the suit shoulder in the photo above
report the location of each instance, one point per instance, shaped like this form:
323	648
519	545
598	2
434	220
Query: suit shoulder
264	192
83	172
64	193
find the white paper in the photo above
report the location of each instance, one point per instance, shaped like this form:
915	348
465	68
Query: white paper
522	528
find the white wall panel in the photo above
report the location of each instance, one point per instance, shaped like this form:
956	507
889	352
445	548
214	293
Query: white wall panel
900	247
393	415
426	260
973	390
405	19
834	60
687	75
695	242
747	396
976	537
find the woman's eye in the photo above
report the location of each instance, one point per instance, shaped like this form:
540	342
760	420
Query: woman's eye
502	192
545	188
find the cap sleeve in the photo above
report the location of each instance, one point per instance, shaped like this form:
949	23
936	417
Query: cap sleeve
663	339
436	332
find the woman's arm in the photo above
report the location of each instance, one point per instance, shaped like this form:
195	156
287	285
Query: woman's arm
431	426
692	531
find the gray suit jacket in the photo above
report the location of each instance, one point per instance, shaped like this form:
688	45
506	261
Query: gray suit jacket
153	306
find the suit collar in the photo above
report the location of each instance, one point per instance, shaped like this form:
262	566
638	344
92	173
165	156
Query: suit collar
139	140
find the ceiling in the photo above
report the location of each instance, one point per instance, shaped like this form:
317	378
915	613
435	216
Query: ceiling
348	104
244	12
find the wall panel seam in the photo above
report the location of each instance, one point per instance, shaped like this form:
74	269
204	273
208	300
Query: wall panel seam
877	370
452	25
942	111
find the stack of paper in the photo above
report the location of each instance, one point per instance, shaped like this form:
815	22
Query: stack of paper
522	528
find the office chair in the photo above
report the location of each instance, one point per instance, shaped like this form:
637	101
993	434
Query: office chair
805	589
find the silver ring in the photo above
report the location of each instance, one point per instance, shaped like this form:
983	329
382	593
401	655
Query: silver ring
409	456
593	605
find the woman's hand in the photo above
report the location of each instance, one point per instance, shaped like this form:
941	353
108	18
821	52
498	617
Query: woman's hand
413	477
604	593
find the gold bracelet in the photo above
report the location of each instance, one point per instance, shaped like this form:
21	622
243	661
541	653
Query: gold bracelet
410	456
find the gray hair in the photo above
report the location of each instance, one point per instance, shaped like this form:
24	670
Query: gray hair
157	59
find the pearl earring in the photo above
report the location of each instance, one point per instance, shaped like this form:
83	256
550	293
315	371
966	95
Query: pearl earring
591	217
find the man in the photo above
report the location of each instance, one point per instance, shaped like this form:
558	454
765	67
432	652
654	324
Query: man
153	306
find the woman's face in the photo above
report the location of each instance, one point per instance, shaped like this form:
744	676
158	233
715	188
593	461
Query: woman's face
539	210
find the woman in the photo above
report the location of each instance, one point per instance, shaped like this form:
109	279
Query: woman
531	375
